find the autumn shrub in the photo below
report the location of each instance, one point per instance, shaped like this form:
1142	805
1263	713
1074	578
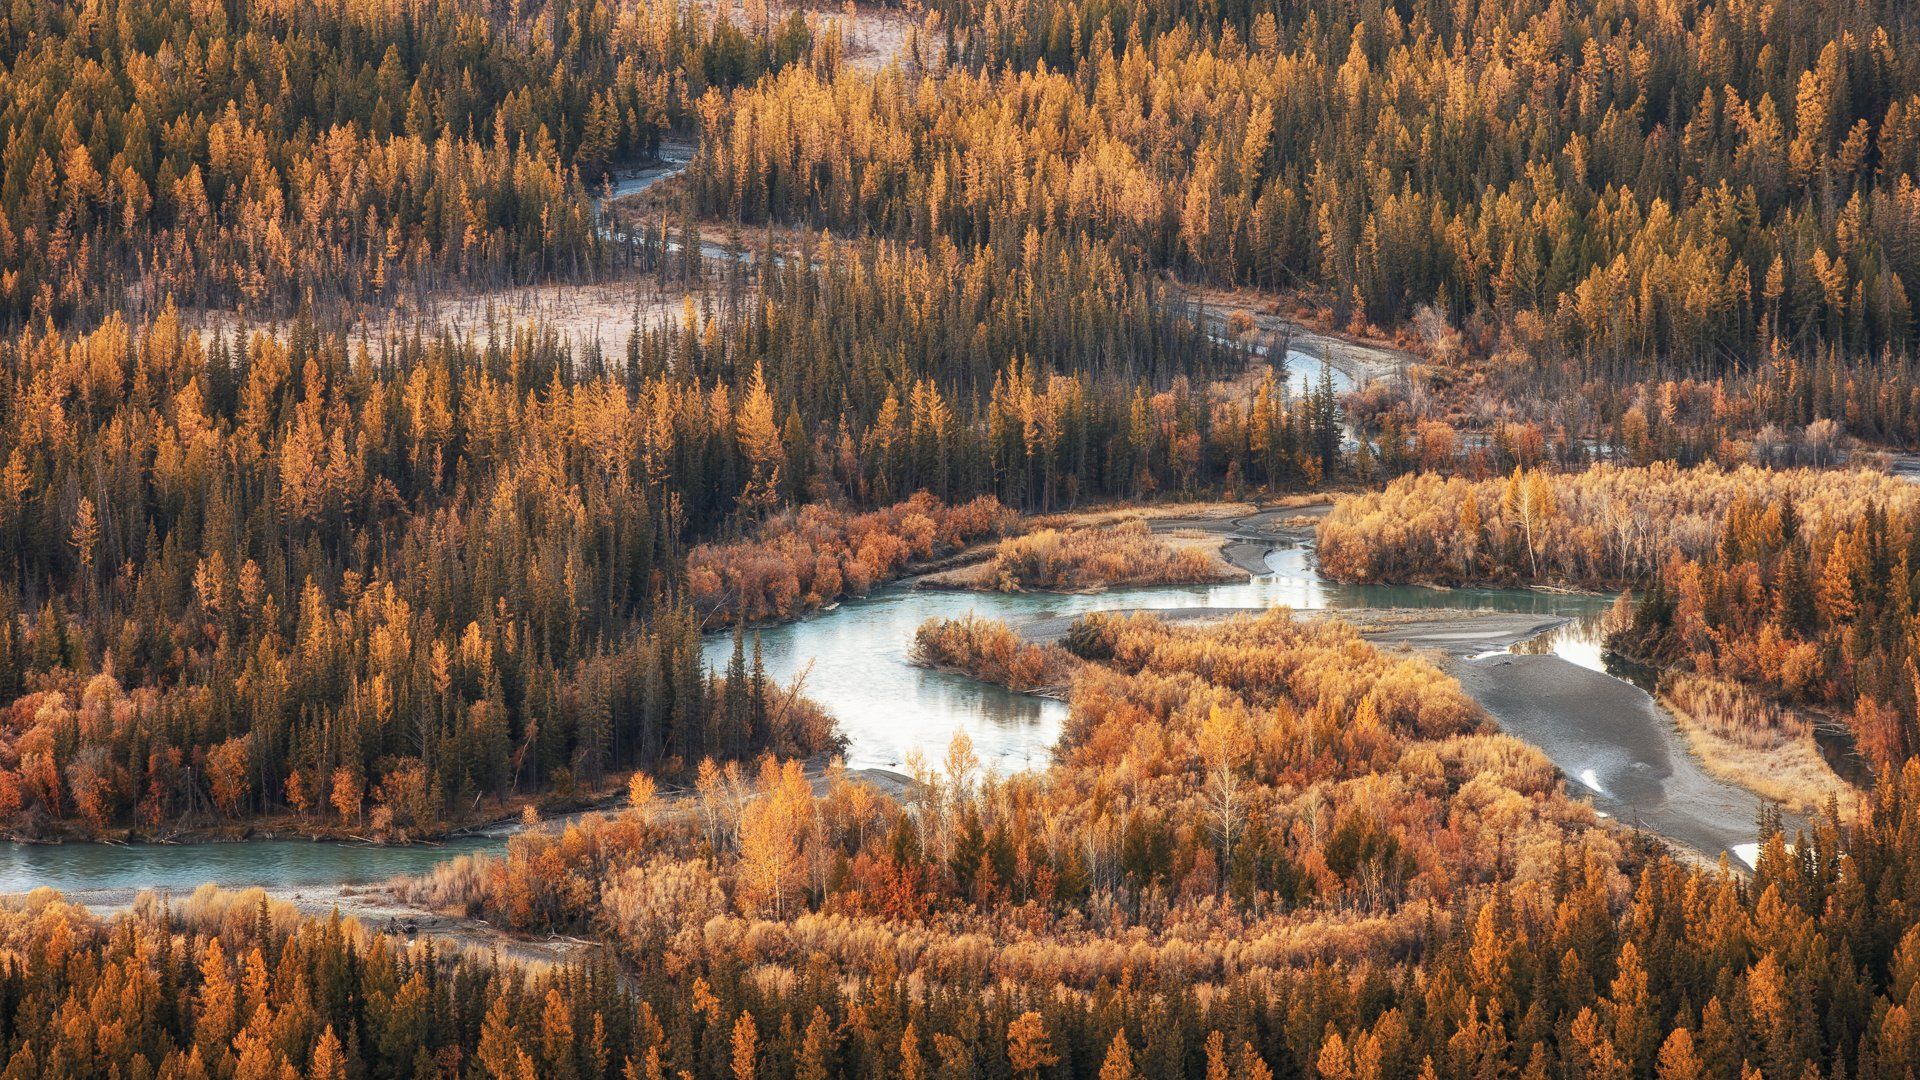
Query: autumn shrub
1606	526
661	899
987	649
1759	743
813	556
1733	712
1124	554
454	885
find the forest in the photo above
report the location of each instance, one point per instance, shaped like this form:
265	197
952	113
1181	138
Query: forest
1600	294
1217	878
1679	182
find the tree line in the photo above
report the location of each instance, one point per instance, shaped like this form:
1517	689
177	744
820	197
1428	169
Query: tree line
1795	582
260	153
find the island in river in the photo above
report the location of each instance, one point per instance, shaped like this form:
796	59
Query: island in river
1605	733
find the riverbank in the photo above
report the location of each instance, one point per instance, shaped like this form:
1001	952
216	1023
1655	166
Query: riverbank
1241	312
374	908
1606	735
1244	539
377	905
1787	767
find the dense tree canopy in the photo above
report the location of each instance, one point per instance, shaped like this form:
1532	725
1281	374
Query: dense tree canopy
253	152
260	559
1621	182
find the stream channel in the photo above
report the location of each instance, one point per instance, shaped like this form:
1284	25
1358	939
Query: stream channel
1553	689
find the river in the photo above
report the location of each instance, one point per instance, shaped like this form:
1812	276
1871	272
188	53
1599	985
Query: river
1604	733
854	657
1558	691
180	868
1627	758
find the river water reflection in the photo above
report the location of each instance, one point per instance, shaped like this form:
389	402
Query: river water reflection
855	657
854	660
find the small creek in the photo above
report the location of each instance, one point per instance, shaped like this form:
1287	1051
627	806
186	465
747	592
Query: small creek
1303	372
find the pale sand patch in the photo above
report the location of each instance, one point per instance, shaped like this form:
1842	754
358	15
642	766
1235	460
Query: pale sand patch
1448	631
1616	746
579	314
875	37
973	576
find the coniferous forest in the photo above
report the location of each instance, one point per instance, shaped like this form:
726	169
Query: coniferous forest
433	422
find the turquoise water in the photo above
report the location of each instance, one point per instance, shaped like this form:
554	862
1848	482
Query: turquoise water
180	868
1303	375
853	660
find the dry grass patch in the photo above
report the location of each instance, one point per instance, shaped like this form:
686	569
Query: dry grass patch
1745	738
1108	516
602	314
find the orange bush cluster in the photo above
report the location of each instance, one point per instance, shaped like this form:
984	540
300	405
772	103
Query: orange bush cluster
1608	525
1125	554
813	556
987	649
